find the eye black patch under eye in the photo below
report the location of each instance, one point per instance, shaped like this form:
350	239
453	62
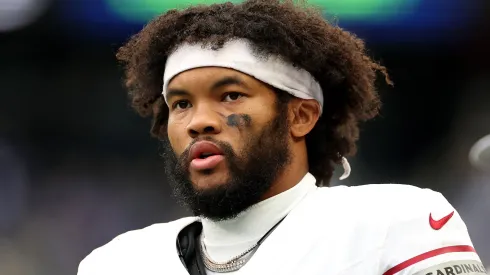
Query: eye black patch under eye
238	120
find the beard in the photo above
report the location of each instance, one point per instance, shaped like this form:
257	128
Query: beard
251	173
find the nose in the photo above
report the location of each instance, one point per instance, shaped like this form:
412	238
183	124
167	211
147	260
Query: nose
204	122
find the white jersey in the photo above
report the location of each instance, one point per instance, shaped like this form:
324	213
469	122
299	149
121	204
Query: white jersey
366	230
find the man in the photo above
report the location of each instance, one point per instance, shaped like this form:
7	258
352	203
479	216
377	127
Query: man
259	101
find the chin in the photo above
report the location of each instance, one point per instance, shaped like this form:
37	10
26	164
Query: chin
209	179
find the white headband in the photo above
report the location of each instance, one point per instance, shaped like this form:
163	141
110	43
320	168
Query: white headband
238	55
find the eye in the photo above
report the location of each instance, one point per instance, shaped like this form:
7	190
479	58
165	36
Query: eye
181	104
232	96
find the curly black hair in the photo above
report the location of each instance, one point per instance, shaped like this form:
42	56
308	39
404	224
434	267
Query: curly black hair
298	33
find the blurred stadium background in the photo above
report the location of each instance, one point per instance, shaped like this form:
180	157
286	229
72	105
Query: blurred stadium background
78	166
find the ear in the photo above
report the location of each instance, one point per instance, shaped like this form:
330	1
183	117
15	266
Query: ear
304	113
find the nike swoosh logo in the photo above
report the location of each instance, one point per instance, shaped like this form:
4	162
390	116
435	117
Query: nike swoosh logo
436	225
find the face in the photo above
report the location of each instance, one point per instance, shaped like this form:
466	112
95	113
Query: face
227	140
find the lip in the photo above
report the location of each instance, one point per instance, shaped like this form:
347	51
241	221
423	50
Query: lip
201	147
210	162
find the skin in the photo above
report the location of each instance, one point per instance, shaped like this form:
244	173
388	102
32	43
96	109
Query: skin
230	106
238	120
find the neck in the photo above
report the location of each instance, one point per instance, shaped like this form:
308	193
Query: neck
286	181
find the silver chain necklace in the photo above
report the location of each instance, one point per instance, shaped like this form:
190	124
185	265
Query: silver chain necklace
231	265
234	263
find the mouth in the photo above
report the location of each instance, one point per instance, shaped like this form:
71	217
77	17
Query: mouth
205	155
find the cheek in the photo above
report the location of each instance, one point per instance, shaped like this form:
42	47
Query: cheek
261	110
249	129
177	137
259	118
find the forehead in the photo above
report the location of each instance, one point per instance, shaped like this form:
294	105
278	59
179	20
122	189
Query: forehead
205	77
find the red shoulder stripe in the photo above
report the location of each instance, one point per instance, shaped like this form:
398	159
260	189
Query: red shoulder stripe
427	255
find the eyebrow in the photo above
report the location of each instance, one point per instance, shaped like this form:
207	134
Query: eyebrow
176	92
225	81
